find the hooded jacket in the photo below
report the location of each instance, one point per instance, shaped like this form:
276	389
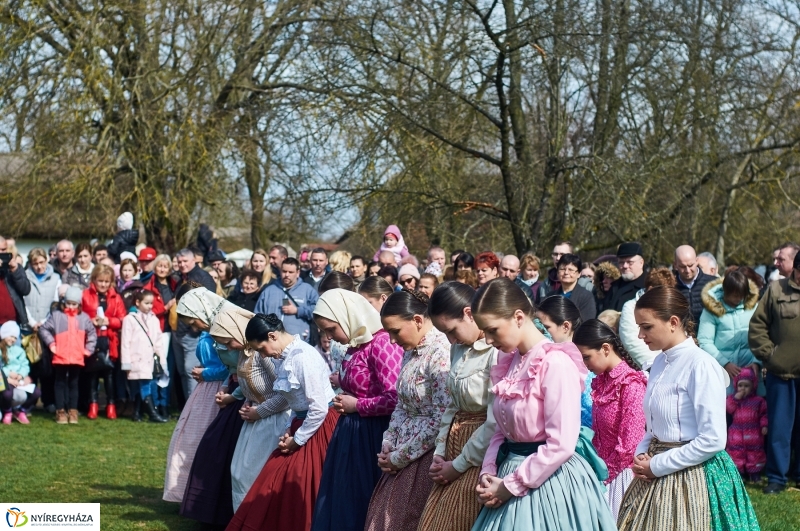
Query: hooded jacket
124	240
72	334
42	295
18	286
399	250
723	330
74	277
114	312
774	334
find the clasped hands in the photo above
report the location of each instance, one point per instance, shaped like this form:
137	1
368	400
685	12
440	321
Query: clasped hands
384	463
492	492
641	467
286	444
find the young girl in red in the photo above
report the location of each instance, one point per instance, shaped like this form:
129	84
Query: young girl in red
70	336
746	433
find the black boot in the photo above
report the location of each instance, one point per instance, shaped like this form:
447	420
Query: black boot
151	410
137	409
163	411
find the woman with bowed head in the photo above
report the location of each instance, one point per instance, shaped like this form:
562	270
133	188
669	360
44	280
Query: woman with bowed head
468	423
105	308
406	452
561	318
197	308
368	379
376	290
237	443
284	493
532	476
683	479
617	394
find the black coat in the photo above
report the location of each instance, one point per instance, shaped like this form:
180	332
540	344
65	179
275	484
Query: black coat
584	300
622	291
245	300
695	294
124	240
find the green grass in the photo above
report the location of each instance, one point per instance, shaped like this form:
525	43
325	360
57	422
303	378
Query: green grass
120	464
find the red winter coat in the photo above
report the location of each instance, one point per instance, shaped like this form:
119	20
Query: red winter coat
158	302
71	333
115	313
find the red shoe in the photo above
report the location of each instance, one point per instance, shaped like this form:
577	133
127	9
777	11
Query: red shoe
111	411
93	409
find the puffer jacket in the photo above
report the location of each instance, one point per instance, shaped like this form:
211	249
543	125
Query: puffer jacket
73	335
42	295
141	334
74	277
124	240
775	329
723	330
114	313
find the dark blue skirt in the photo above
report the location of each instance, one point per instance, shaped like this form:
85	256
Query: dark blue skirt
208	497
350	473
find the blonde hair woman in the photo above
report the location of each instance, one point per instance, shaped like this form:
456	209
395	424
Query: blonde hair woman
340	261
259	262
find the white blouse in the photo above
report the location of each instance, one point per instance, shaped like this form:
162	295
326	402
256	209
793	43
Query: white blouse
303	379
685	401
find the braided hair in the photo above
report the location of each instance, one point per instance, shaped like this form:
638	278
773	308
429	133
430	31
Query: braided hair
594	334
406	304
261	325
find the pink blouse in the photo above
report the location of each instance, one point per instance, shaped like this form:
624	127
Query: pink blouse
618	416
537	398
370	374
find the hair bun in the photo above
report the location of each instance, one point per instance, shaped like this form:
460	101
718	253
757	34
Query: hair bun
272	320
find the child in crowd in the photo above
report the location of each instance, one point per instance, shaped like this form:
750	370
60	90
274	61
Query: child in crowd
71	337
20	392
617	396
141	342
127	284
392	241
611	318
746	432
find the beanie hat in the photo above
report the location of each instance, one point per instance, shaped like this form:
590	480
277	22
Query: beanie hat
74	294
127	255
745	374
408	269
125	221
9	329
434	269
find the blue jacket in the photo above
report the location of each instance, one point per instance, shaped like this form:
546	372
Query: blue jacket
17	361
723	330
305	298
213	368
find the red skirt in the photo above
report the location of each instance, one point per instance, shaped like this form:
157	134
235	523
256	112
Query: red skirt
284	494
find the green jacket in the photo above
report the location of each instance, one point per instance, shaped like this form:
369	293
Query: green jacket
774	334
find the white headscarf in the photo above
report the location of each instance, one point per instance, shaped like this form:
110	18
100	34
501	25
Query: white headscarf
202	304
231	323
358	319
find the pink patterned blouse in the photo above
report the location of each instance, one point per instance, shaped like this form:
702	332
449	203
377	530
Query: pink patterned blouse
369	373
618	416
423	397
537	398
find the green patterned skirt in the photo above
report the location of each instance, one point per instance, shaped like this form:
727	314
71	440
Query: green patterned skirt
707	496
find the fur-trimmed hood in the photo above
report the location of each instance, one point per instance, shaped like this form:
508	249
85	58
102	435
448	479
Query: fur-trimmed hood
712	298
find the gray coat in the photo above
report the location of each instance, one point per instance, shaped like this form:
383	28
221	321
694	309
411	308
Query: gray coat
42	295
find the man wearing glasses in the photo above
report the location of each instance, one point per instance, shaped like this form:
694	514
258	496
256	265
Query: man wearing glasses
14	285
551	284
631	280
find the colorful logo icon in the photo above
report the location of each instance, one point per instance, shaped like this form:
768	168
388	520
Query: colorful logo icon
16	517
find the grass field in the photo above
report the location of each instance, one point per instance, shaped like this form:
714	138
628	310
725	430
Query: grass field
120	464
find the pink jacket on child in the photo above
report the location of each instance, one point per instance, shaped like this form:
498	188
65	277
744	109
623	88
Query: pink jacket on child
745	440
138	331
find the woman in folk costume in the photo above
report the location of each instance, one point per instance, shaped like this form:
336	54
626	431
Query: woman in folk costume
284	493
265	411
536	473
683	478
197	308
368	379
468	423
